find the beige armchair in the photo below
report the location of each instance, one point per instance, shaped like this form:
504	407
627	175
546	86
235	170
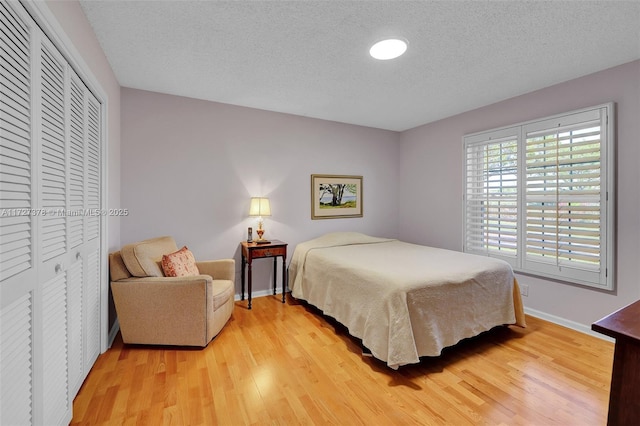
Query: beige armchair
157	310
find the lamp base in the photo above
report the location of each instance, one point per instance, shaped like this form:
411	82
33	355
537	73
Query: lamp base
260	232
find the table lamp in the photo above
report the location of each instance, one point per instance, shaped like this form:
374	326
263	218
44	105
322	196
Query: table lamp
260	207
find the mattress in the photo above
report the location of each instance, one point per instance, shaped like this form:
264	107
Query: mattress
404	300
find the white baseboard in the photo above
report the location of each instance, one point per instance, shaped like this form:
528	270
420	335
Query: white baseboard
260	293
566	323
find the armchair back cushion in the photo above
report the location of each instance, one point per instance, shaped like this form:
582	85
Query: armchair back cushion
117	269
143	259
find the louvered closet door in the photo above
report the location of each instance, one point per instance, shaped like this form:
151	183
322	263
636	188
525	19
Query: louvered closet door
17	245
92	195
52	235
83	233
75	221
50	225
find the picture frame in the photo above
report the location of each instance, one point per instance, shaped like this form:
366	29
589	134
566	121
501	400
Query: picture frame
336	196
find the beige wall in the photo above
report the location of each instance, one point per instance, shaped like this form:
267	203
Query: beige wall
189	168
431	182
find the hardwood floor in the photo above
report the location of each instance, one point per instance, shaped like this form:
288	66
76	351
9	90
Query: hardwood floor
287	364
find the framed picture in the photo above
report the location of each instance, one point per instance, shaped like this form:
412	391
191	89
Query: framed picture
334	196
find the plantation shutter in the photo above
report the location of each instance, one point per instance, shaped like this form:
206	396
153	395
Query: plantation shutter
491	179
564	195
540	195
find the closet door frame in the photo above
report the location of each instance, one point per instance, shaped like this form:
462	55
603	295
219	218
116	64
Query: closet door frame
43	16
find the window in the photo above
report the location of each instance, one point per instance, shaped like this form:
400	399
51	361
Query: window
539	195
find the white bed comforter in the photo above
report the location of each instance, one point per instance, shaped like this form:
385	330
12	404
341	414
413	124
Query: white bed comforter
403	300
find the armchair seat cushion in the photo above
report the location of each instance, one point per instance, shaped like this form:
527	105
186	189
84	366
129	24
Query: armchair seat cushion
222	292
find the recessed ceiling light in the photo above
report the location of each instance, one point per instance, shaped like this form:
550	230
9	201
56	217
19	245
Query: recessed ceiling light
388	49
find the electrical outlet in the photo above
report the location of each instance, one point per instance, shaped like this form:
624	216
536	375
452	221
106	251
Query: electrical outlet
524	290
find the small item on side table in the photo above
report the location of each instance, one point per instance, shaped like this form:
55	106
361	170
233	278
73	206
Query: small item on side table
250	235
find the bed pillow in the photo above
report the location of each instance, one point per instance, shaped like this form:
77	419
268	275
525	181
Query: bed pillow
180	264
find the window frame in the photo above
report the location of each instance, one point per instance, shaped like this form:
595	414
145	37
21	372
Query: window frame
601	277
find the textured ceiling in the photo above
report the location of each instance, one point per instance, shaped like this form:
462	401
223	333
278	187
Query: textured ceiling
310	58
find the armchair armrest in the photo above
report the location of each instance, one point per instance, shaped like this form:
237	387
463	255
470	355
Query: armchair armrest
222	269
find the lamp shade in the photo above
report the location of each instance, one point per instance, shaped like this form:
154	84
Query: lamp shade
260	207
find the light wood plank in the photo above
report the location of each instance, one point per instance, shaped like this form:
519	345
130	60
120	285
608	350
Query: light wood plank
288	364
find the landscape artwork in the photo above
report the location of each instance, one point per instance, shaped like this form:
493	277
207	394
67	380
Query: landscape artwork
336	196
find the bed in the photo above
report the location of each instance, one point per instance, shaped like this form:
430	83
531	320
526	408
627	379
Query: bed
403	300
